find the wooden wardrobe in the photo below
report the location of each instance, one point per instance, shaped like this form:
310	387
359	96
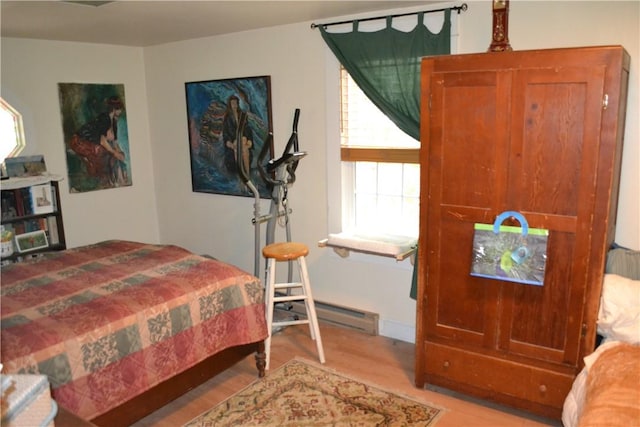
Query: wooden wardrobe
538	132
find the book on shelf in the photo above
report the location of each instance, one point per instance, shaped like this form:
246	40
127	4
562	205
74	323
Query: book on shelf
54	197
54	237
30	211
19	202
19	228
24	201
9	210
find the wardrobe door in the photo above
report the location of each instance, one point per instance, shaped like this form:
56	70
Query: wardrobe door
467	157
555	133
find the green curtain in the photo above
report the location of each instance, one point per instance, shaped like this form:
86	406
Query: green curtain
386	65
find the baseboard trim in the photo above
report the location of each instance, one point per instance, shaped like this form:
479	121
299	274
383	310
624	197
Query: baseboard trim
348	317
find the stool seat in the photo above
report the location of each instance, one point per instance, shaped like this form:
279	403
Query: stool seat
285	251
289	251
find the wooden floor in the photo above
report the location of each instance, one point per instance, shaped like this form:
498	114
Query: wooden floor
383	361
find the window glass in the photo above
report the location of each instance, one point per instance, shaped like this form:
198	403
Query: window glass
380	196
11	131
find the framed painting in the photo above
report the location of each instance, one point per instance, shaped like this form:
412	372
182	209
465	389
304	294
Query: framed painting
96	138
31	241
229	124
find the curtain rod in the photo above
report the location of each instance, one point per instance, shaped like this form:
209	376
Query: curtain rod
459	9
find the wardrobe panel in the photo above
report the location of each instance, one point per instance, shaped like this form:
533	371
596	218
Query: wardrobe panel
472	146
532	322
555	138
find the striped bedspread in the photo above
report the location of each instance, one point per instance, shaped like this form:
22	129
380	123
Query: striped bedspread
108	321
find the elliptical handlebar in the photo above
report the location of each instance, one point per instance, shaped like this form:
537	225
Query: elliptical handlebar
296	117
293	143
266	176
290	157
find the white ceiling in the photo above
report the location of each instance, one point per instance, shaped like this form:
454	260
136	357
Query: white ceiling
151	22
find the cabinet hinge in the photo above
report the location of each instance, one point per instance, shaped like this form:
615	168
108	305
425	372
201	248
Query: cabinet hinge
584	330
605	101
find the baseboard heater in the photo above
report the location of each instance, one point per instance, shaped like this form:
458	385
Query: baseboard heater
363	321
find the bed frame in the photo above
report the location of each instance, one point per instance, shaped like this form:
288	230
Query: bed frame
158	396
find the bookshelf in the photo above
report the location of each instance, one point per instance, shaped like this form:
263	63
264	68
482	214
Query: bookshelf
32	213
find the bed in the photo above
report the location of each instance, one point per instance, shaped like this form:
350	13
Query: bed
121	328
607	391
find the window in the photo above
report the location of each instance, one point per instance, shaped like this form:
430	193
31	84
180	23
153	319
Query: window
376	189
380	168
11	131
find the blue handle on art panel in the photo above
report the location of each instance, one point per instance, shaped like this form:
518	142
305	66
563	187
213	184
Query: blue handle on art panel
507	214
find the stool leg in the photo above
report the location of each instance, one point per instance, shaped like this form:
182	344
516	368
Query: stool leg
306	297
269	295
314	329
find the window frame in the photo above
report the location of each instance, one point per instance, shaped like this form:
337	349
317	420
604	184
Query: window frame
339	180
380	155
18	125
351	155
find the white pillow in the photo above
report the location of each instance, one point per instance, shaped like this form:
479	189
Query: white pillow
619	315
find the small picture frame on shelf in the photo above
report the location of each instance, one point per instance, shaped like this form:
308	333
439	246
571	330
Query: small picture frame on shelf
31	241
41	199
25	166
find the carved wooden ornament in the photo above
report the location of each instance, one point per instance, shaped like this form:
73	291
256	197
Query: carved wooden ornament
500	32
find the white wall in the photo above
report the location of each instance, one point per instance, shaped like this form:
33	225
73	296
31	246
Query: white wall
31	71
296	59
549	24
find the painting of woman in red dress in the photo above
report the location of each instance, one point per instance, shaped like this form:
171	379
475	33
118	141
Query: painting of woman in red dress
97	147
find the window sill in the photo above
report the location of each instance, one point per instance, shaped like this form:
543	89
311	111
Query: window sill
398	247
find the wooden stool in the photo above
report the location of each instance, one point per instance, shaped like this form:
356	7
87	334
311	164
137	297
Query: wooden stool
289	251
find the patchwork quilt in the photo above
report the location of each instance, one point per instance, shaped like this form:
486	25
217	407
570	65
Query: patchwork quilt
108	321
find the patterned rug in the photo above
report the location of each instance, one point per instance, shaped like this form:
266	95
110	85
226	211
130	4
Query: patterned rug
302	393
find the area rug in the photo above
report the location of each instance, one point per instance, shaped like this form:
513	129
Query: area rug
304	393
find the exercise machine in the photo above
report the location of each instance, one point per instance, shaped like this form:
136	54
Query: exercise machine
278	175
